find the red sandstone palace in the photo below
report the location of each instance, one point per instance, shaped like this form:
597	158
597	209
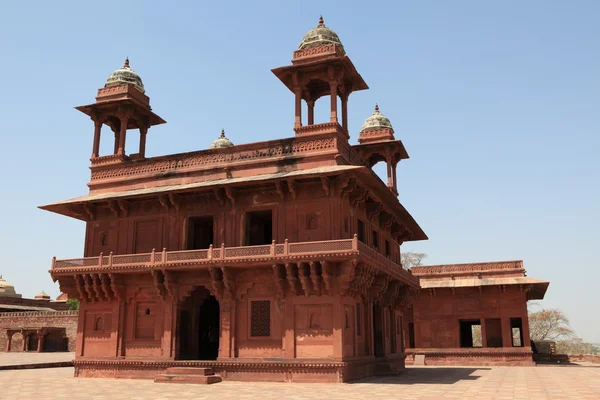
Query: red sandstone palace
275	260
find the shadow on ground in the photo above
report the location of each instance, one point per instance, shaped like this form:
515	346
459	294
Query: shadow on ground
433	376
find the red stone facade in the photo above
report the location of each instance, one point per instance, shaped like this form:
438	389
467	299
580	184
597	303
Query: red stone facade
473	314
276	261
42	331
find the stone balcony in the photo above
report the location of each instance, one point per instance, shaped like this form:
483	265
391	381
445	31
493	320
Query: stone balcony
267	255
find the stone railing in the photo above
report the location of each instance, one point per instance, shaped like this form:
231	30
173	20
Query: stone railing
467	268
222	254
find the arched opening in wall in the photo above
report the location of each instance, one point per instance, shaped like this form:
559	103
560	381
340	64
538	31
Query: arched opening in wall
32	343
198	326
379	165
107	139
16	344
55	341
378	333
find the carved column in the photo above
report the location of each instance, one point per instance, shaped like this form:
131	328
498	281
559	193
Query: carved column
80	328
289	342
506	332
168	350
97	130
227	339
394	177
334	93
122	132
143	133
483	333
345	111
25	342
390	178
311	111
9	336
338	327
117	140
298	120
40	344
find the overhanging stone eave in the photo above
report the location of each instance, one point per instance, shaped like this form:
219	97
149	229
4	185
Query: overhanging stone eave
69	207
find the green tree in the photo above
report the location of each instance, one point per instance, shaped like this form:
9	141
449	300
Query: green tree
73	304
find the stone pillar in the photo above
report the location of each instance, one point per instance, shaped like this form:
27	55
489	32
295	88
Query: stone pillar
115	327
506	332
227	335
289	340
167	345
122	133
311	111
298	120
483	333
9	336
80	329
143	133
334	94
116	147
525	330
97	130
41	334
390	178
25	342
338	327
394	177
345	112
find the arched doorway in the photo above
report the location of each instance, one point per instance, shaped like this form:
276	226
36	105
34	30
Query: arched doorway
198	326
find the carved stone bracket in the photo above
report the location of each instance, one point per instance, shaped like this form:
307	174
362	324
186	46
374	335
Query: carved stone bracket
315	277
216	281
279	277
114	208
219	196
175	200
292	187
325	184
230	193
279	189
327	275
124	207
170	283
292	277
158	282
117	286
164	202
304	276
90	211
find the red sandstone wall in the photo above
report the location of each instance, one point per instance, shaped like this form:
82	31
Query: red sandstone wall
34	320
436	316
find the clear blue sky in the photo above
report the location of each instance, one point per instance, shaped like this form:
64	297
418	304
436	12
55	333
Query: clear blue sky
497	104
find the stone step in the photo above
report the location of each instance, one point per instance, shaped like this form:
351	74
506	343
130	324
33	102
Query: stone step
189	371
191	379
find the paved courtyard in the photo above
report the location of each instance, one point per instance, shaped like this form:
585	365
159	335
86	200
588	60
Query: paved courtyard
33	358
417	383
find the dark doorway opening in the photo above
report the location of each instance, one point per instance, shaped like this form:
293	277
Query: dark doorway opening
470	333
259	228
378	346
32	344
199	326
493	332
200	233
411	335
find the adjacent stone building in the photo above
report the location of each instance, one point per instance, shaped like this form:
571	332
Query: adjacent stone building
472	314
37	324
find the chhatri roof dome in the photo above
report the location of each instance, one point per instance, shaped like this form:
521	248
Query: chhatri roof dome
319	36
125	75
221	142
42	296
376	121
6	289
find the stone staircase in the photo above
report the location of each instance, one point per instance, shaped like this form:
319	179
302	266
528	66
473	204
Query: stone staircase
200	376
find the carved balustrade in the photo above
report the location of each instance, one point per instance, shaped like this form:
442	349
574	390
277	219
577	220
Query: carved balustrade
263	253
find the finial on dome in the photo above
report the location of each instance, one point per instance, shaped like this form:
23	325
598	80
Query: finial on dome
126	65
376	108
222	133
321	22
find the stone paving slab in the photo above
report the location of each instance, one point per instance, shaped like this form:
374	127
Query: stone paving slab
7	359
417	383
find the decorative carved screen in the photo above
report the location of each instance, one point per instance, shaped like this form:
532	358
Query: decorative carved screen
260	318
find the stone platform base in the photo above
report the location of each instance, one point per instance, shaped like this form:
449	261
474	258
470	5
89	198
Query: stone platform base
244	370
474	357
